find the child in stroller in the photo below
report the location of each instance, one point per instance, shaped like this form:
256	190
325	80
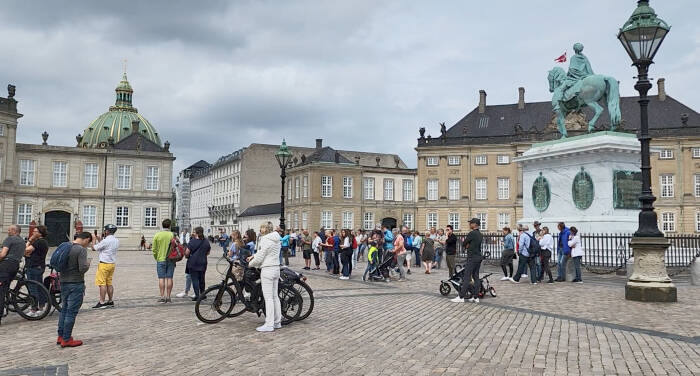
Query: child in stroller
376	270
456	281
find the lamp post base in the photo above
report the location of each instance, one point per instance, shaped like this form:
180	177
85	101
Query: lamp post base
649	281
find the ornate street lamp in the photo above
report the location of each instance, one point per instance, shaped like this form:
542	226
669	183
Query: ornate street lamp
641	36
284	157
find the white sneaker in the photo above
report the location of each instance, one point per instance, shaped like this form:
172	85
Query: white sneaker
476	300
471	300
181	294
192	295
265	329
505	279
457	299
523	276
278	326
514	281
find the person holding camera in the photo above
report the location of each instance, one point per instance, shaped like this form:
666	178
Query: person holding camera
107	246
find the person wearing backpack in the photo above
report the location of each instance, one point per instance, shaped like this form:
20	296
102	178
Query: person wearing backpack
72	262
165	268
526	248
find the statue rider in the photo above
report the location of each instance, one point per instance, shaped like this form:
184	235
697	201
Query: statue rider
579	68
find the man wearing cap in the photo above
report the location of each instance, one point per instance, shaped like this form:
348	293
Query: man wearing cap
471	271
107	248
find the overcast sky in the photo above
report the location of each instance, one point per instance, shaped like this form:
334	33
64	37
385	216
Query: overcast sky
214	76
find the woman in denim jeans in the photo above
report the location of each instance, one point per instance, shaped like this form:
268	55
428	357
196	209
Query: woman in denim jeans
35	262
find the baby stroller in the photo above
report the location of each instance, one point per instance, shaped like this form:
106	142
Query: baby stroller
456	282
379	271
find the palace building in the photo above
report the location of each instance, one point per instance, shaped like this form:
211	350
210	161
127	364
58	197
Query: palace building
468	170
118	172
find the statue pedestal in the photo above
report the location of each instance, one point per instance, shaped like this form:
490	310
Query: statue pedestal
649	281
590	181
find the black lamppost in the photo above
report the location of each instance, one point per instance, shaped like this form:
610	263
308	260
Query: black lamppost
283	157
641	35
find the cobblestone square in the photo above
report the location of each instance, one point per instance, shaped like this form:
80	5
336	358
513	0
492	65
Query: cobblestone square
376	328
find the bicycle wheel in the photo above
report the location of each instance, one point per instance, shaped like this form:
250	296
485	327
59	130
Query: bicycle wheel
307	298
56	300
26	296
291	304
214	304
235	313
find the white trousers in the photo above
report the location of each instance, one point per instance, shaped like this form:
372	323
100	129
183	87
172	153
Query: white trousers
270	276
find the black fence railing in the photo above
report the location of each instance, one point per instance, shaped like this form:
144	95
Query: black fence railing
602	250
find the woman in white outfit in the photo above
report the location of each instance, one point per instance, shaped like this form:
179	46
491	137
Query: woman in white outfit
267	259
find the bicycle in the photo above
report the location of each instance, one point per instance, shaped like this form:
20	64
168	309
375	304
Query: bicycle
23	297
53	285
221	298
298	281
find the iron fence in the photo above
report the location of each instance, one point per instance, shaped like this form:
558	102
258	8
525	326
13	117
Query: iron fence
605	251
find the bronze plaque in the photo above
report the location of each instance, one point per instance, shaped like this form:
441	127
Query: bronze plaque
627	187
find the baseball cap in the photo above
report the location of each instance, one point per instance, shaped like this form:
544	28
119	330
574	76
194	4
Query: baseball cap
476	221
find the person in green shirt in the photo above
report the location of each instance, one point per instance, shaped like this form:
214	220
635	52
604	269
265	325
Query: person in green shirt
164	267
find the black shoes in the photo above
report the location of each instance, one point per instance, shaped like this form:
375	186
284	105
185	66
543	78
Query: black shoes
100	305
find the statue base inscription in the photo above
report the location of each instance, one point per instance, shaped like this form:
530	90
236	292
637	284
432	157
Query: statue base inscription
589	181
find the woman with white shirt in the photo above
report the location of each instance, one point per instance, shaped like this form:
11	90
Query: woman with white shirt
267	259
547	245
576	252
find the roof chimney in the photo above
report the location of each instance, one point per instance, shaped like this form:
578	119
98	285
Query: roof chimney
661	83
319	143
135	126
521	98
482	101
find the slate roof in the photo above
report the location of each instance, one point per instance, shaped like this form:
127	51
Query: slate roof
136	141
327	155
500	123
265	209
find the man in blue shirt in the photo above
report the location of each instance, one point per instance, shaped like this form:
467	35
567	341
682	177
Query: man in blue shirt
525	258
564	252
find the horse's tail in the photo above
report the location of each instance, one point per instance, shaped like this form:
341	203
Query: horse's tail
613	94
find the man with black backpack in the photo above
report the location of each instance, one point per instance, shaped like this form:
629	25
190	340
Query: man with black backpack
529	249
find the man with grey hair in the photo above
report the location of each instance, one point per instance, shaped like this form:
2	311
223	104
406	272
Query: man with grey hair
11	254
525	259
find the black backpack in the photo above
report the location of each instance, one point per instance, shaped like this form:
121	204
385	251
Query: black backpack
535	249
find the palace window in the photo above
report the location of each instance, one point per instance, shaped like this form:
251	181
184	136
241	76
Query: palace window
503	159
432	220
368	222
697	185
407	190
453	191
453	160
348	220
60	174
90	175
326	219
666	154
122	217
347	187
431	161
24	214
668	222
2	129
503	220
289	190
481	189
697	221
369	188
326	186
432	189
666	186
503	188
90	215
305	186
304	220
408	220
297	187
26	172
696	152
150	217
483	217
481	160
454	221
388	189
123	177
152	178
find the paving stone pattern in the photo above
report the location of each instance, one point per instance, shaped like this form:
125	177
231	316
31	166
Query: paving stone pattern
370	329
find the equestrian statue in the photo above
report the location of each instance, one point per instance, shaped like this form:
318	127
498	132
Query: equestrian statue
581	87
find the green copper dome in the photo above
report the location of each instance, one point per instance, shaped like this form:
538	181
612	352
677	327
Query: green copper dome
117	122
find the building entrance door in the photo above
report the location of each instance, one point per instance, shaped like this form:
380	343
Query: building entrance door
58	226
390	223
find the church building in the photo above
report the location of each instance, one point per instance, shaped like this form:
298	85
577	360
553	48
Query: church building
118	172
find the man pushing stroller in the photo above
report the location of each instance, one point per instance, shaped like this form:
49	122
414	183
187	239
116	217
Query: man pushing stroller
472	242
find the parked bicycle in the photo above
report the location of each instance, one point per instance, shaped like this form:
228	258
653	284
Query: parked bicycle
298	281
53	285
241	284
29	299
